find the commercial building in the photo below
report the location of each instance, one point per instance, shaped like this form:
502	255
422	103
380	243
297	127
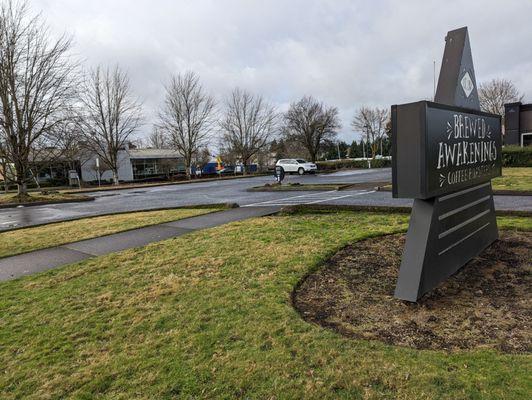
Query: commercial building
135	165
518	124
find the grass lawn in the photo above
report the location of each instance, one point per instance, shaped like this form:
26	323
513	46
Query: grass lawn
29	239
514	179
35	197
209	315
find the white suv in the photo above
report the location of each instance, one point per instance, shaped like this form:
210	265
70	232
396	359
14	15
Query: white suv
297	165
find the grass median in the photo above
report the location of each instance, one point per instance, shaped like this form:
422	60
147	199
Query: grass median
209	315
14	199
56	234
515	179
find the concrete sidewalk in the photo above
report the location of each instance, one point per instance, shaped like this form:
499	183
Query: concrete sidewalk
42	260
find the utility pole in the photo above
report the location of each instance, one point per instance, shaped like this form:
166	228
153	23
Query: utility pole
367	135
364	142
338	148
98	168
434	80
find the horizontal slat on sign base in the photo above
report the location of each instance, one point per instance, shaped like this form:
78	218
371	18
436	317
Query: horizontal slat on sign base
463	216
444	234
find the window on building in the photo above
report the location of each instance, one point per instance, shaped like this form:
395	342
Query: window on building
526	139
155	167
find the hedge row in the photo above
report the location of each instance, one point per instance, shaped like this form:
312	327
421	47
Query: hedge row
516	156
341	164
512	156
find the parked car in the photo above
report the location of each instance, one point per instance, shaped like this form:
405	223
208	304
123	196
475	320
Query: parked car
300	166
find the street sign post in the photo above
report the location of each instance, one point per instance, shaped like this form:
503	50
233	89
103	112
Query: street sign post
444	155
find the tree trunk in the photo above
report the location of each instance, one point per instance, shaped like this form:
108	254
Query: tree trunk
374	148
22	187
4	173
188	166
115	177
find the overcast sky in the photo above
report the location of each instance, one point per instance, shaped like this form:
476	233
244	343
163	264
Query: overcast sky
347	53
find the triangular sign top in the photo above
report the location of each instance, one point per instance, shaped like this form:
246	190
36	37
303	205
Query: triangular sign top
457	85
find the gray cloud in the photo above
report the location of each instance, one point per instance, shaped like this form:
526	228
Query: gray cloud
347	53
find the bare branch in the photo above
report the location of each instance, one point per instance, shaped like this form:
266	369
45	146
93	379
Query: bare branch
38	83
187	117
248	126
493	95
110	114
372	122
309	123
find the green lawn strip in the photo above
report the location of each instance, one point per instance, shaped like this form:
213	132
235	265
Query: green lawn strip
512	179
34	198
140	185
518	179
515	223
208	315
29	239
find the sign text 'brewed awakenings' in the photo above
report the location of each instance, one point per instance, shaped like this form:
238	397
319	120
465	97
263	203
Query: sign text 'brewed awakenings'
467	147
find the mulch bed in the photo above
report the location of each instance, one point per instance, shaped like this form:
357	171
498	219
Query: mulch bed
487	304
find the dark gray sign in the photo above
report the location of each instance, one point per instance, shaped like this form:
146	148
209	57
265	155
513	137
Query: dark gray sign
444	156
440	149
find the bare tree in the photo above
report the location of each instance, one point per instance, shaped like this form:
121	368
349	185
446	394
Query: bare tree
187	117
248	126
37	88
72	146
372	122
157	139
203	156
493	95
110	115
310	123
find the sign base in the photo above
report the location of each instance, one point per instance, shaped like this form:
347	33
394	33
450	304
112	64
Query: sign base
445	232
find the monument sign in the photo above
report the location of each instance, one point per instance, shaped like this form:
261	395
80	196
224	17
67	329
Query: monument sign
445	154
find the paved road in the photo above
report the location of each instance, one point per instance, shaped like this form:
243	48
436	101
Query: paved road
223	192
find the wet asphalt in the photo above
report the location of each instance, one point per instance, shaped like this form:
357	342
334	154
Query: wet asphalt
226	191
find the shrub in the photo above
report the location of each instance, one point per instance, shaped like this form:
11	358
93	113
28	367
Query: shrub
516	156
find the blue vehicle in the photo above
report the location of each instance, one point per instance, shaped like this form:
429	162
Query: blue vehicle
217	167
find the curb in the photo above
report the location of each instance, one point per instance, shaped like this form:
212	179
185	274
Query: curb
109	188
381	209
495	192
338	187
299	188
223	206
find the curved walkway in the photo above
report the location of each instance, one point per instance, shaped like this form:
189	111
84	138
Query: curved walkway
45	259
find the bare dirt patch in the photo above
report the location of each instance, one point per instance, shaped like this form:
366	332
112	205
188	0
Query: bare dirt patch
487	304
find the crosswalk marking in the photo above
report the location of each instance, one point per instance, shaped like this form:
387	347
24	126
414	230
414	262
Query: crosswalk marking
312	198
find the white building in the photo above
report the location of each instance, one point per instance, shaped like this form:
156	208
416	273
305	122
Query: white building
136	164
